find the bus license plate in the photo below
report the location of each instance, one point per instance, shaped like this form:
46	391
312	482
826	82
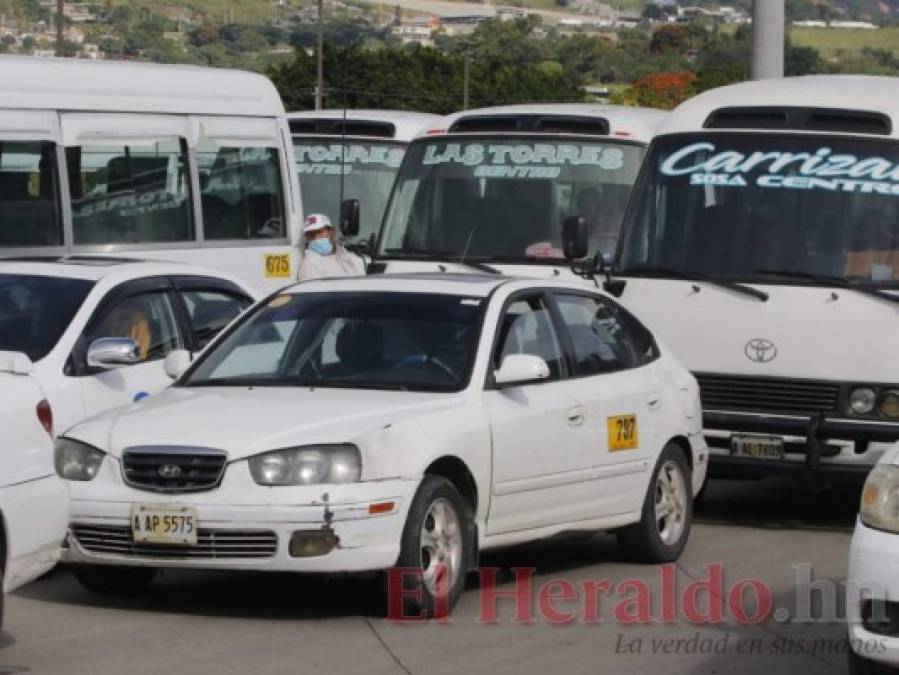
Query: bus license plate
760	447
164	525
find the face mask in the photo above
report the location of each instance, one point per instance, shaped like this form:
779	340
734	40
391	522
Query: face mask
322	246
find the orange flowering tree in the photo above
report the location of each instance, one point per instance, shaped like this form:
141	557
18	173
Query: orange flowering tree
659	90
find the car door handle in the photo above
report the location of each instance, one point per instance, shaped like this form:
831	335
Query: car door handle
654	401
576	416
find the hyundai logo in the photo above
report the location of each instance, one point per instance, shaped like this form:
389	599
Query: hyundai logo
169	471
760	350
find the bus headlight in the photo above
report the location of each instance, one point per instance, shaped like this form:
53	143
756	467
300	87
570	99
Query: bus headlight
308	465
889	404
862	400
880	498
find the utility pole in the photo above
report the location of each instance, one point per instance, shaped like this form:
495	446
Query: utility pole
59	26
466	78
767	39
320	78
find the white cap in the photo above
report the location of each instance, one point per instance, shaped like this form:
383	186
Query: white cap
315	222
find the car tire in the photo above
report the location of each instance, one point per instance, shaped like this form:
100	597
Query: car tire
109	580
859	665
438	539
667	514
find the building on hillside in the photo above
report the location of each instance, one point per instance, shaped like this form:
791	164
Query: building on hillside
862	25
417	31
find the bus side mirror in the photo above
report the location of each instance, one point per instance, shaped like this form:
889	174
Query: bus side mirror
574	238
349	217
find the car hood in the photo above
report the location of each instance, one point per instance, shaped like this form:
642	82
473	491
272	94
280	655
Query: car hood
244	422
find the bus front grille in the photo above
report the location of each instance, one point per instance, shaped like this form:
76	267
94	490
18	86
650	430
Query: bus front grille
767	394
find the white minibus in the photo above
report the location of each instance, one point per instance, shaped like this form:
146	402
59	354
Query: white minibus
168	162
346	155
762	245
493	187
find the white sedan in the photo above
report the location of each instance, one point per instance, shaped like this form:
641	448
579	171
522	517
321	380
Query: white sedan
94	331
872	587
34	502
408	421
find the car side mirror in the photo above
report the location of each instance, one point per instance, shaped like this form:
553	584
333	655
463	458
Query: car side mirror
176	362
575	238
109	353
520	369
349	217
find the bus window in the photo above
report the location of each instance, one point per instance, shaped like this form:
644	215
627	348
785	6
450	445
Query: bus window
241	193
130	193
29	213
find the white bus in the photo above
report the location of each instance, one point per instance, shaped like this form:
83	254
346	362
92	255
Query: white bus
166	162
762	245
494	187
352	154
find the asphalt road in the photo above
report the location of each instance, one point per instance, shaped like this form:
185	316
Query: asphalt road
259	624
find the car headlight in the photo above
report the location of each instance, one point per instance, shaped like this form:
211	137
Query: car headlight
77	461
880	498
308	465
889	404
862	400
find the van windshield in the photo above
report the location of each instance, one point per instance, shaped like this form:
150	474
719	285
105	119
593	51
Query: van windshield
506	199
767	208
331	171
29	204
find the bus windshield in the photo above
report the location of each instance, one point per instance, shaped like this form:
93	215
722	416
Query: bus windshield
331	171
506	199
767	208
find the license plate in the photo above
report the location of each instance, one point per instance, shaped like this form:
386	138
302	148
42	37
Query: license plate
164	524
760	447
622	432
277	265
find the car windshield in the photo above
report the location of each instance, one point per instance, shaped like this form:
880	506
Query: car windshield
35	311
767	208
360	340
506	200
331	171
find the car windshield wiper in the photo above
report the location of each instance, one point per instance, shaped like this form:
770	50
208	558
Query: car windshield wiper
345	384
831	280
660	271
440	256
236	382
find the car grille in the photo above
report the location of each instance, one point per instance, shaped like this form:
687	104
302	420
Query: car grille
173	469
770	395
211	544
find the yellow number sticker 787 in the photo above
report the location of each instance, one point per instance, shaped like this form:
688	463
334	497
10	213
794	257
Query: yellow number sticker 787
623	434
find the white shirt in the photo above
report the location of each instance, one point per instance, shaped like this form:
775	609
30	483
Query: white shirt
341	263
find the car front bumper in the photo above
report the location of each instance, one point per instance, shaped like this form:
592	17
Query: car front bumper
873	574
243	525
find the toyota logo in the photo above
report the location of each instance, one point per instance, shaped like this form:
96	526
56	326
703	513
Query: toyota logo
760	350
169	471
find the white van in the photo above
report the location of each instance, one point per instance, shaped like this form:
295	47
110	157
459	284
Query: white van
352	154
762	245
171	162
494	187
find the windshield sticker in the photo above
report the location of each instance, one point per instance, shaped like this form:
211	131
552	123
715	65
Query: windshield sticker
336	158
538	160
818	170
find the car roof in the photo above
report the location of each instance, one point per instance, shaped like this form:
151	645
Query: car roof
95	268
451	283
625	122
110	86
407	124
862	93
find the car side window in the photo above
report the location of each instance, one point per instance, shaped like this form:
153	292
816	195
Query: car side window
210	311
599	340
147	318
527	328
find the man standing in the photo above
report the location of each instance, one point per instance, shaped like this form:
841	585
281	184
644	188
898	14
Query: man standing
324	257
